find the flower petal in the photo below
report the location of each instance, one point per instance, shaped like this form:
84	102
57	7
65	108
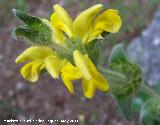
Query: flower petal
88	88
81	61
34	53
31	70
69	73
72	71
63	15
83	23
62	23
53	65
108	21
67	82
99	81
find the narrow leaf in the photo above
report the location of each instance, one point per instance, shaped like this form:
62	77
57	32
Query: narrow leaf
27	19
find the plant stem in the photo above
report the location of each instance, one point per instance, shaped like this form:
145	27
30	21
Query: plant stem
149	91
112	75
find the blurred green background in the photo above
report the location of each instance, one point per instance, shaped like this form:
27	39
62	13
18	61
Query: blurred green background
48	98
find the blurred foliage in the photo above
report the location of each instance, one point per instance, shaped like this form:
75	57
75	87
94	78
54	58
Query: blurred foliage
150	112
139	101
148	108
7	6
157	87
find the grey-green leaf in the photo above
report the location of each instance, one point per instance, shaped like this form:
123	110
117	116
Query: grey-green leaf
118	54
150	112
126	106
36	31
27	19
33	37
124	90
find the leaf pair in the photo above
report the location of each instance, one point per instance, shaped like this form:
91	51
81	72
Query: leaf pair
35	30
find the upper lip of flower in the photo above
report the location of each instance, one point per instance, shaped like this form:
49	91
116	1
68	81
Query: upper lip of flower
88	25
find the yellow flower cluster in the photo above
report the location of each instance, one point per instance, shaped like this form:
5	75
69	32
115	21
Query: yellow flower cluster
87	26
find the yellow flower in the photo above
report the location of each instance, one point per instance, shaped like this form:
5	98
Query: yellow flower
87	26
85	70
91	78
44	58
40	58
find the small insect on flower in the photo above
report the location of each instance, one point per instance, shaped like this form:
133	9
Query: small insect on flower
65	53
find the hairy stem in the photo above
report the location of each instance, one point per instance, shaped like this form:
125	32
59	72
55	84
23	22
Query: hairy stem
149	91
111	75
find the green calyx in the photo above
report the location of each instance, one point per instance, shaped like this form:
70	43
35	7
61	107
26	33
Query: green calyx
93	50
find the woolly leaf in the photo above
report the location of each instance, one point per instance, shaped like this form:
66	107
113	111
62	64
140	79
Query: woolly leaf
35	31
124	90
27	19
150	112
